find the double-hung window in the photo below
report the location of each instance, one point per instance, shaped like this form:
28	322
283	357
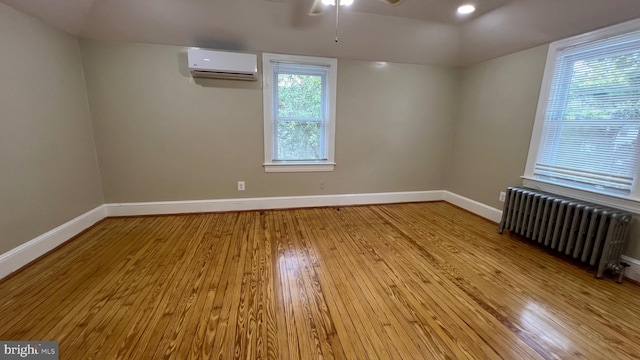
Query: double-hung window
586	134
299	112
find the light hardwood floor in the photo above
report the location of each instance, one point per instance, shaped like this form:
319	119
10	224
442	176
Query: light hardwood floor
407	281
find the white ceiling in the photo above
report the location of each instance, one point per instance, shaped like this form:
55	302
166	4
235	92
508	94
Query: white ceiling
414	31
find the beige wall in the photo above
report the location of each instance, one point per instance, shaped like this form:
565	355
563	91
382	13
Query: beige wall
497	108
162	136
633	247
48	168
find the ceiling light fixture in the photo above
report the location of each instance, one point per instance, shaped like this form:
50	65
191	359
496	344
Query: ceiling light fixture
466	9
333	2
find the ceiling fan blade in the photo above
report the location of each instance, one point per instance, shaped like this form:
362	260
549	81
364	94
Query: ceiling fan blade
316	8
392	2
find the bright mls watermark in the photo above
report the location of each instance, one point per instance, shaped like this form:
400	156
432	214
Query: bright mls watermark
28	350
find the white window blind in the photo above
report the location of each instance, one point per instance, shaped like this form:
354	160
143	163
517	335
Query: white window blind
591	128
299	112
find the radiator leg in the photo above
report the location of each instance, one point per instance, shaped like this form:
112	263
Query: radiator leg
501	227
623	267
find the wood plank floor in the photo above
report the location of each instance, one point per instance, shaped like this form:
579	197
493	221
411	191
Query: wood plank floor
407	281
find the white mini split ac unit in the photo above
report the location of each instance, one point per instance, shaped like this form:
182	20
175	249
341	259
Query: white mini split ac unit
222	64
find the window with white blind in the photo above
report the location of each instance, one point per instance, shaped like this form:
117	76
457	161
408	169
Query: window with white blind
299	112
586	134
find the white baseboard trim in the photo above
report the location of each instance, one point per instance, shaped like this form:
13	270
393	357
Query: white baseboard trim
633	271
475	207
20	256
285	202
29	251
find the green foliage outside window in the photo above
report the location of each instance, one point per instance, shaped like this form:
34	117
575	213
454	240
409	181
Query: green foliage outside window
601	89
595	92
300	117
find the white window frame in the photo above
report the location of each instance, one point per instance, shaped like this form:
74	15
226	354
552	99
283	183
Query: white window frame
630	202
330	131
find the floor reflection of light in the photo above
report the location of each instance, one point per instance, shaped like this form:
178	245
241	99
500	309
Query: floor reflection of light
540	323
290	261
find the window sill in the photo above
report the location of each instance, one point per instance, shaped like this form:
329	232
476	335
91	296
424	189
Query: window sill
298	167
630	204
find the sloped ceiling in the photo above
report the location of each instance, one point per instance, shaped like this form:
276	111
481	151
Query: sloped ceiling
414	31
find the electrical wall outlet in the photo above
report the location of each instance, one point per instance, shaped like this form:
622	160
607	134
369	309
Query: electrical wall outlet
502	196
240	185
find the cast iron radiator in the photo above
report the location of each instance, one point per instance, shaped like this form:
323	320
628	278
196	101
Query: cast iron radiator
590	233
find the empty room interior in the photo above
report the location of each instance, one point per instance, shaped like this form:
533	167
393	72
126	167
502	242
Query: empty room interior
306	179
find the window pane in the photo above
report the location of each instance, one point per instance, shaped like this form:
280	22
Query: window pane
299	101
592	121
299	96
591	153
605	88
299	140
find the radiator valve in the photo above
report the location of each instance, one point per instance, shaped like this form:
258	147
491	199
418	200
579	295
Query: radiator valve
619	269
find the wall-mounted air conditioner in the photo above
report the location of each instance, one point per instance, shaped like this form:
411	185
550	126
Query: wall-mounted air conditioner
222	64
